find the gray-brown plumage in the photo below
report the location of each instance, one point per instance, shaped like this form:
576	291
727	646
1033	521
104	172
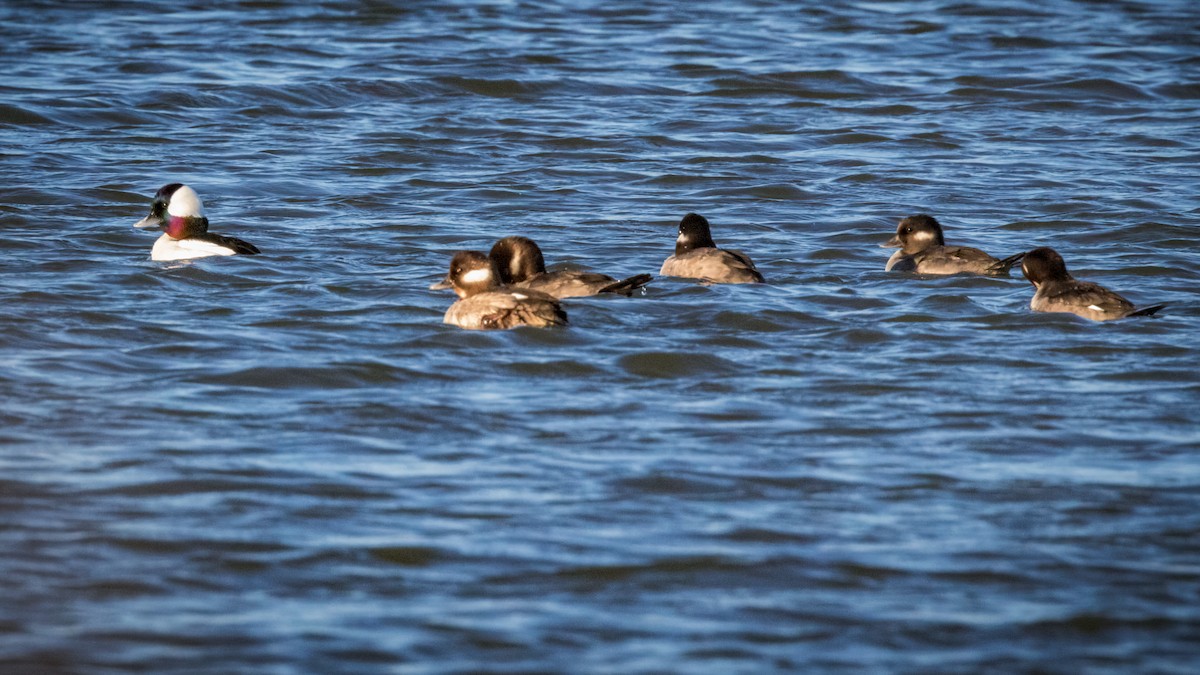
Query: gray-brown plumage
697	257
520	264
1057	291
483	304
923	250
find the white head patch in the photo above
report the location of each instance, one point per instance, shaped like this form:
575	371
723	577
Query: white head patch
185	202
478	276
922	236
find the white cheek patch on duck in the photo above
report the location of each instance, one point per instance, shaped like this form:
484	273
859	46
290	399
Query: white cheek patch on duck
478	276
185	202
921	237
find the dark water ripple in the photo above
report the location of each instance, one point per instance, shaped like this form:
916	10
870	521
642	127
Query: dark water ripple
287	464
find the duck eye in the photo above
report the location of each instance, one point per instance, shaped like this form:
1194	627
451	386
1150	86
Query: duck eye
907	230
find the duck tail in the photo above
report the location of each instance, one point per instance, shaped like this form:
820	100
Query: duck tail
626	287
1005	265
1147	311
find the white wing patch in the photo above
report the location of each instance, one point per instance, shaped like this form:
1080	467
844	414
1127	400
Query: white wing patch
1097	308
185	202
167	248
477	276
520	296
207	246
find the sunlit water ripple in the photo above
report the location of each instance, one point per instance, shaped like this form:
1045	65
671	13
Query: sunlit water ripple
286	463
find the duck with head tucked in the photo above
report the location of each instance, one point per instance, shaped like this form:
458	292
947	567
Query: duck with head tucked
520	264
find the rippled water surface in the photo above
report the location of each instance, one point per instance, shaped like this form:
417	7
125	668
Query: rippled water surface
286	463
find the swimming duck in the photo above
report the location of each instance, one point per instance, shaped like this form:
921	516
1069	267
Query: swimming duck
177	210
923	250
520	265
697	257
1057	291
484	304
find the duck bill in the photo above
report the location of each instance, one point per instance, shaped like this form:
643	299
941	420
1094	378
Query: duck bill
441	285
149	222
894	242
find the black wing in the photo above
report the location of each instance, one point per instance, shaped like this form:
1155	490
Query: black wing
238	245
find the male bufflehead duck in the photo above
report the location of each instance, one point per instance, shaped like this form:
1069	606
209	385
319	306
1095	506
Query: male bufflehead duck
484	304
697	257
520	264
178	212
1057	291
923	250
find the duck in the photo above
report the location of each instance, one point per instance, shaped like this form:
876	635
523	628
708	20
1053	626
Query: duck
486	305
179	213
697	257
923	250
521	265
1055	290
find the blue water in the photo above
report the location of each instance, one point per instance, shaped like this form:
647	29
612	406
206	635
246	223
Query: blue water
286	463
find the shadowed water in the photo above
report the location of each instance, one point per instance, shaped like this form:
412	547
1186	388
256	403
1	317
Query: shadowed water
287	463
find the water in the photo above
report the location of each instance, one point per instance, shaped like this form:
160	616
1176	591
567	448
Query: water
286	463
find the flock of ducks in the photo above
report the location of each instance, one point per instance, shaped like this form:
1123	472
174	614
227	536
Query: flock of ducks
509	286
